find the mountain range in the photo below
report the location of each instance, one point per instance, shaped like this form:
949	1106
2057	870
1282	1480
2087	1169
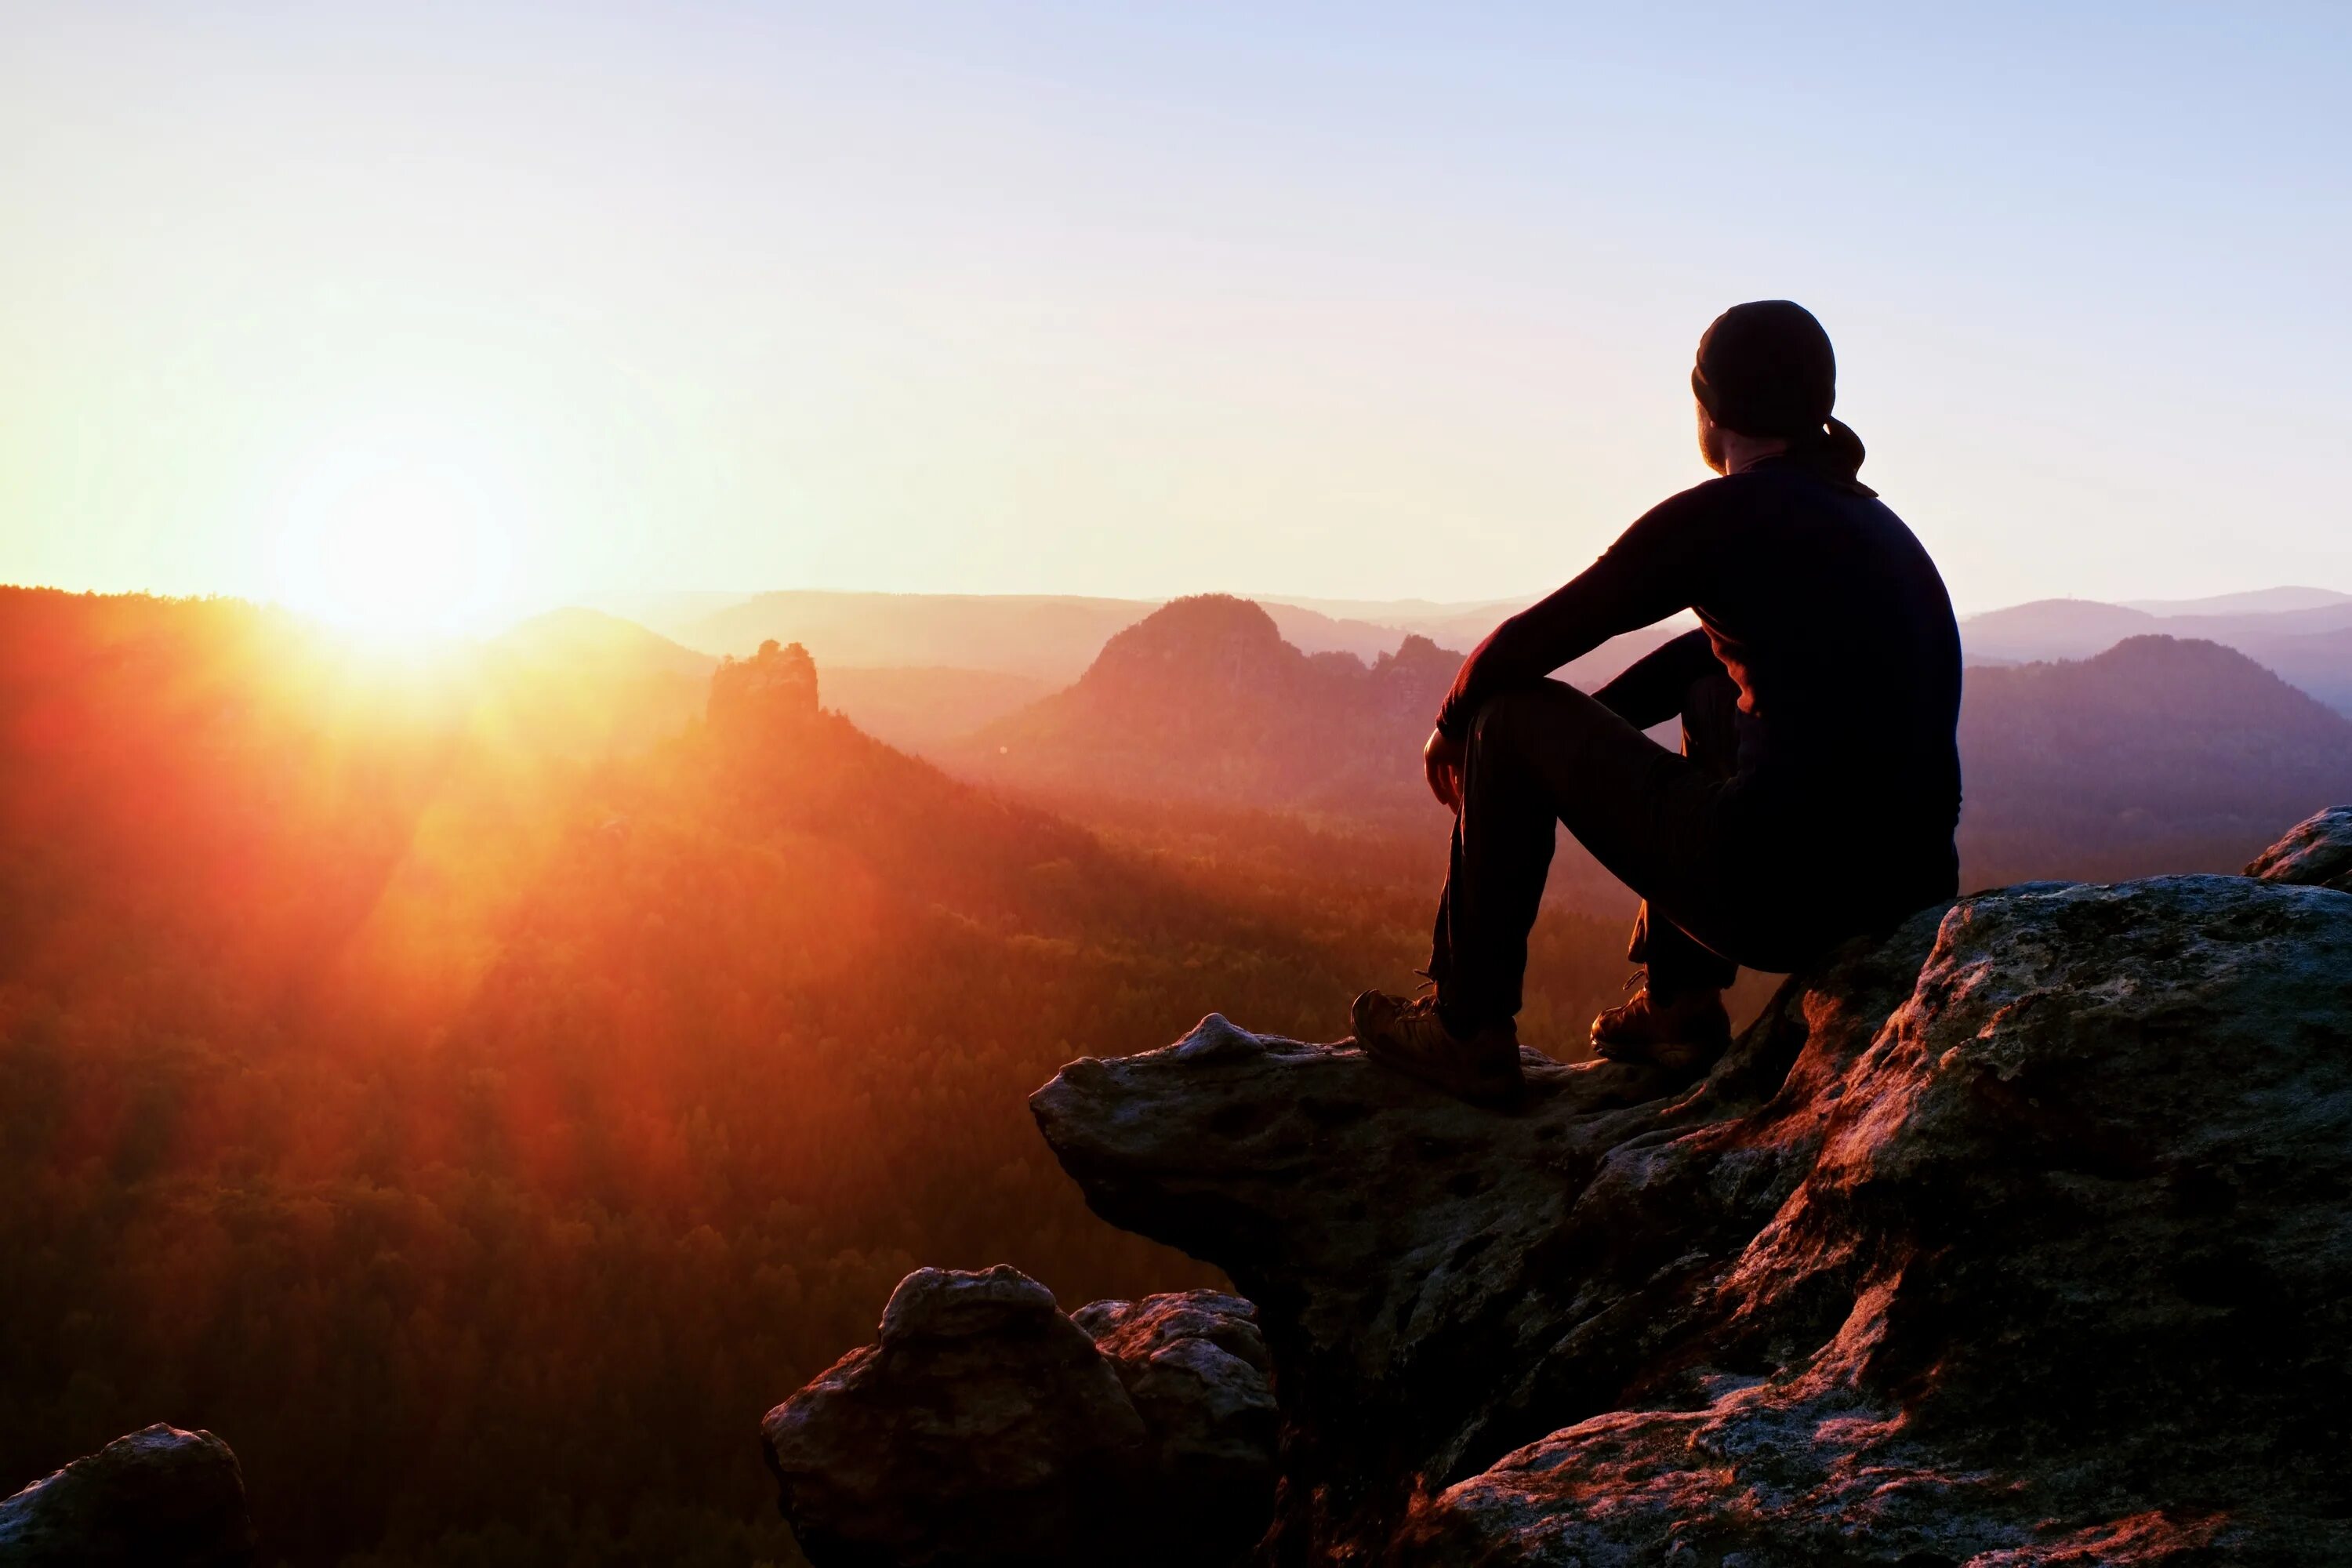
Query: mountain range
1015	648
2098	740
1047	637
2305	634
2159	753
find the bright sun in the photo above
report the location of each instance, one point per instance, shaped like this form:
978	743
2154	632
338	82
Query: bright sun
394	543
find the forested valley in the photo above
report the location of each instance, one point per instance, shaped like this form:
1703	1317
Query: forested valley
477	1102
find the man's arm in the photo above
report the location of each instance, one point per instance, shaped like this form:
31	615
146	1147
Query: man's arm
1648	574
1650	689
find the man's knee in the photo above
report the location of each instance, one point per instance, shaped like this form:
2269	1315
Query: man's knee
1505	720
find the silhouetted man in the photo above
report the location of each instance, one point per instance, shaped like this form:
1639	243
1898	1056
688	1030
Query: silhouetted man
1819	780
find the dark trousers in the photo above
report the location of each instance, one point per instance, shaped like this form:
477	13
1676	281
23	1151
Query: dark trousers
1716	893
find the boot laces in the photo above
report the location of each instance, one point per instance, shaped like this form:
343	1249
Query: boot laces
1424	995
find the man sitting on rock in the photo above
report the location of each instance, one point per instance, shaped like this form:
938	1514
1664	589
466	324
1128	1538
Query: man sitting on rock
1819	780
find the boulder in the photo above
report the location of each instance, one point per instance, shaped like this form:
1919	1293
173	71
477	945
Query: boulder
1196	1369
2316	852
984	1427
2022	1235
160	1497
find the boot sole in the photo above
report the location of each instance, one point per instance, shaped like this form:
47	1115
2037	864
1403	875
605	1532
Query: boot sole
1494	1092
1673	1056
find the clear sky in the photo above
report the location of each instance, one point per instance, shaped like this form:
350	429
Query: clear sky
1351	299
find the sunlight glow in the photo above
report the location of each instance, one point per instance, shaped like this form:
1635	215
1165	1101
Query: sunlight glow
394	542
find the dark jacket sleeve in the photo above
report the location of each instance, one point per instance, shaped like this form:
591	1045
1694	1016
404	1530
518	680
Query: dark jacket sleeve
1653	571
1651	691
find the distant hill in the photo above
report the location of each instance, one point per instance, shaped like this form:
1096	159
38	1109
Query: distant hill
1204	700
671	612
2302	634
1453	624
1317	631
962	641
1045	637
599	644
1404	612
1208	698
2260	601
1207	703
1213	699
596	682
2049	628
2318	662
2158	754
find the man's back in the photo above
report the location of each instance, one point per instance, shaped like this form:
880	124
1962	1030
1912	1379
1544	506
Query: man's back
1834	620
1831	617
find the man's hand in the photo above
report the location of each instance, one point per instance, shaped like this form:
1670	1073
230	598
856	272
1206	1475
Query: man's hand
1441	759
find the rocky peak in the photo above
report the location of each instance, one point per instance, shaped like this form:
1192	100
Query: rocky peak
1418	656
1193	625
1209	647
1204	698
775	688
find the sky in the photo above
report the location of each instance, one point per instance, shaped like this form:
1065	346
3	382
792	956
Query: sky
484	305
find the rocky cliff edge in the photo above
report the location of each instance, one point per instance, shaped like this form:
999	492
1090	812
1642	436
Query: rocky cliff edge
158	1498
2022	1235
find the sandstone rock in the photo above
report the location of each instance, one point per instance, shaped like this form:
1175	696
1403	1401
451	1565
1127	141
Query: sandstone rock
773	691
2316	851
985	1428
2023	1235
1196	1368
160	1497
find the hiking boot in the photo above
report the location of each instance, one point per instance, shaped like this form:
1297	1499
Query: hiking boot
1684	1034
1410	1037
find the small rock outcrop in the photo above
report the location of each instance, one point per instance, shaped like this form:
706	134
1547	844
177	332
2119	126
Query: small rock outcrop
160	1497
2316	852
985	1428
2022	1236
775	688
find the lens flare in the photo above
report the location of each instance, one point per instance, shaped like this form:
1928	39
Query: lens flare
394	543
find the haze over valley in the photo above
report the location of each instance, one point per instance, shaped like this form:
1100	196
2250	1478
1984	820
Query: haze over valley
2097	740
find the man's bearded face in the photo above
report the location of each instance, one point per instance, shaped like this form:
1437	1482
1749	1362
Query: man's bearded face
1710	439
